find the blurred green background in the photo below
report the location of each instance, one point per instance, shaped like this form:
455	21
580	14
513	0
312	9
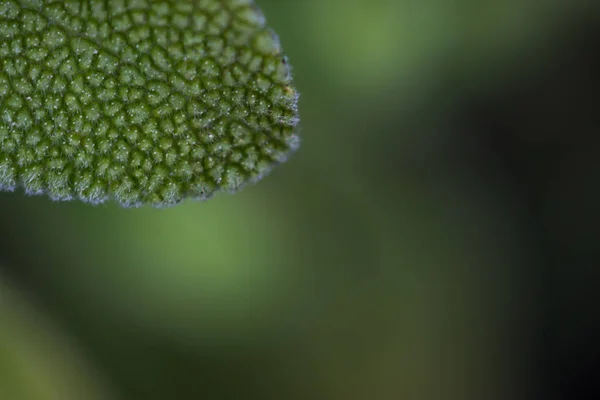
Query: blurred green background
433	237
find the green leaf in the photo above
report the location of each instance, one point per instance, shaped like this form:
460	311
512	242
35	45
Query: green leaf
140	101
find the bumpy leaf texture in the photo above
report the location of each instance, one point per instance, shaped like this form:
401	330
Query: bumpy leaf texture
140	101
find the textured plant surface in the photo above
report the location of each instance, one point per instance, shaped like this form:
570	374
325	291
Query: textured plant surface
141	101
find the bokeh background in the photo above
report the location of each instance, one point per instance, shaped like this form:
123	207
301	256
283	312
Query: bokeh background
435	237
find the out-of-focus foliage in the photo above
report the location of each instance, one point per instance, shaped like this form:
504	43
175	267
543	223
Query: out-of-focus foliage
37	361
375	265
